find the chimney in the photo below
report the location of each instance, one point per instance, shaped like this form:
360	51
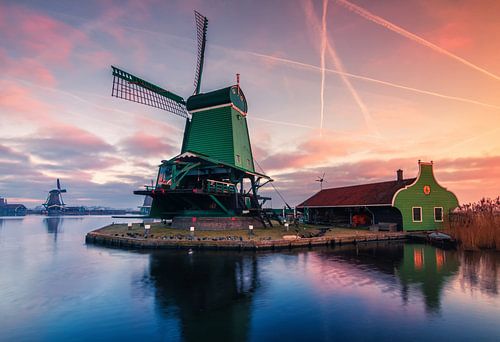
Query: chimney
399	175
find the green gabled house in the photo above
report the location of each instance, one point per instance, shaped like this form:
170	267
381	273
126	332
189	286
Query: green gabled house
409	204
424	204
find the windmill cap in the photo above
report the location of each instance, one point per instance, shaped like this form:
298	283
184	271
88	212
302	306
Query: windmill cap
230	95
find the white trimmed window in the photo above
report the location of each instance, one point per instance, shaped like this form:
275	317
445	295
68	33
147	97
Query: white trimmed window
438	214
416	214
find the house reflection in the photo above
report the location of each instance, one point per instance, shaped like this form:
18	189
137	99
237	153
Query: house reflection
429	269
209	292
421	270
381	256
212	293
53	225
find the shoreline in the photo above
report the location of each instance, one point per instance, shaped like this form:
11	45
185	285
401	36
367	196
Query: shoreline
102	238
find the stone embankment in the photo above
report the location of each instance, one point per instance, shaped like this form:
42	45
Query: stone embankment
286	242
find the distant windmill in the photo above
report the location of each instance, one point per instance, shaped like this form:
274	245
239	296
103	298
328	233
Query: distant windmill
321	180
55	203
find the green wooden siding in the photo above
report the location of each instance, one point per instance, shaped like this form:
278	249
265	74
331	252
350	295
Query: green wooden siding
414	196
241	140
210	134
222	134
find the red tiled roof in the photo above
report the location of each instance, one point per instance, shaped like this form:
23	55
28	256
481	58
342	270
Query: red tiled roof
357	195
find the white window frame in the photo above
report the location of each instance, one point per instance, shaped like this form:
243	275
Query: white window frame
413	216
442	214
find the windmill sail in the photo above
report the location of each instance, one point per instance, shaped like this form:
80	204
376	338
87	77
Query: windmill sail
201	36
132	88
59	186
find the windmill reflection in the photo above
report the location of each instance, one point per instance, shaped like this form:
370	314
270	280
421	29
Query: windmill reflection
53	225
211	293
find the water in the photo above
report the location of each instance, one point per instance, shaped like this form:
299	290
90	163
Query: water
53	287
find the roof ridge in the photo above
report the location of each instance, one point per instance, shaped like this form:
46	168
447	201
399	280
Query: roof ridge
379	193
351	186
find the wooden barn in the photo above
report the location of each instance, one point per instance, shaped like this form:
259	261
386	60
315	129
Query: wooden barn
406	204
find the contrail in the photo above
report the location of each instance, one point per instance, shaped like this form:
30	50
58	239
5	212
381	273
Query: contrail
469	140
286	123
322	63
399	30
327	44
366	114
310	66
338	64
373	80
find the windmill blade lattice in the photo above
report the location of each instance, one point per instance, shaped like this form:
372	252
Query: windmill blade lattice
132	88
201	36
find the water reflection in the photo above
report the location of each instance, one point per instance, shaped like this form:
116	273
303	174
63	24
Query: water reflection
53	225
421	268
382	257
480	271
429	269
55	290
211	293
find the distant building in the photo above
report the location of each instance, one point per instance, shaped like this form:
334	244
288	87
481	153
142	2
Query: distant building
7	209
412	204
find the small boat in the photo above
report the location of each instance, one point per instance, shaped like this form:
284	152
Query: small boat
441	240
439	236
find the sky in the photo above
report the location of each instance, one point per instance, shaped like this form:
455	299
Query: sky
353	89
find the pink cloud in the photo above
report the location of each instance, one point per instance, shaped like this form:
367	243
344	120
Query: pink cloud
73	137
61	149
99	58
147	145
452	37
314	150
29	69
147	124
458	27
115	15
39	36
20	103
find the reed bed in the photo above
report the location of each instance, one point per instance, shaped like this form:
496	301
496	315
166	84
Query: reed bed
477	225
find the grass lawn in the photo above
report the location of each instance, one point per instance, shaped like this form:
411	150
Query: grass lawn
159	231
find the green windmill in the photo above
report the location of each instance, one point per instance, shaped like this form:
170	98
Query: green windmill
213	180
